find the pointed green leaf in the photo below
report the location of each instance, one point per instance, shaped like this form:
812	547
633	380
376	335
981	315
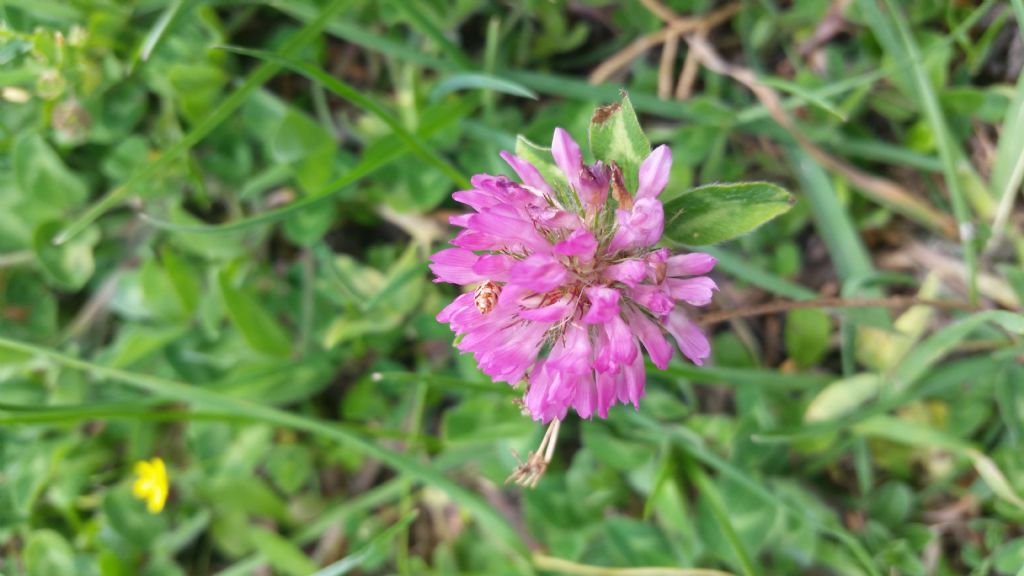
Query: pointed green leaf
616	136
720	212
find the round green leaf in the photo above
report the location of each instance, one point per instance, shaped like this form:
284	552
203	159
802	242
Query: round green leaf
69	265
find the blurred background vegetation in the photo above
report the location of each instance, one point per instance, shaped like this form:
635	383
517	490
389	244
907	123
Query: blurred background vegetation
216	255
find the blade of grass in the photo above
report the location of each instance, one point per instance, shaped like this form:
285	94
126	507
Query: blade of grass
157	32
476	81
1008	170
803	93
489	519
711	495
949	152
262	74
349	93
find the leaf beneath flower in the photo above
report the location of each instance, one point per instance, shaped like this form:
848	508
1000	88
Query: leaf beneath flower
720	212
616	137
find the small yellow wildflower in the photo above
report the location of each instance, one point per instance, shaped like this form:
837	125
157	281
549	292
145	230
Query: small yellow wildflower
151	484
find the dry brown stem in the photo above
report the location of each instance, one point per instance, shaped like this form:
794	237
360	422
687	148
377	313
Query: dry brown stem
677	27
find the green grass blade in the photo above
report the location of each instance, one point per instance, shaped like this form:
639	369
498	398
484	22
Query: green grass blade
359	99
949	152
157	32
474	81
801	92
1008	170
721	516
221	113
203	398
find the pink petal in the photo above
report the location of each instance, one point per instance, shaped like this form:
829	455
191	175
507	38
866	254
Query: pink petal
654	173
460	220
527	172
692	342
629	272
539	272
494	266
567	156
640	227
605	393
552	313
462	302
604	305
693	264
585	399
475	199
580	243
653	298
623	345
696	291
455	266
634	377
650	336
572	353
592	186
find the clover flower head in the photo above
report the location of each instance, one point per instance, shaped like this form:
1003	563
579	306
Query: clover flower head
571	286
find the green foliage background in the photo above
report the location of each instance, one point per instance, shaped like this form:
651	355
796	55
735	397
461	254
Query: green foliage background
216	255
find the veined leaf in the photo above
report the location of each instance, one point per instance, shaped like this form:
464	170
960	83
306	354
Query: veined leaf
719	212
616	137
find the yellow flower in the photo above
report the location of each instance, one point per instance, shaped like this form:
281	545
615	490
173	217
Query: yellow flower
151	484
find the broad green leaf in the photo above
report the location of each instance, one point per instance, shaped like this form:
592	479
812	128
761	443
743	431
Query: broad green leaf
719	212
69	265
257	325
616	137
